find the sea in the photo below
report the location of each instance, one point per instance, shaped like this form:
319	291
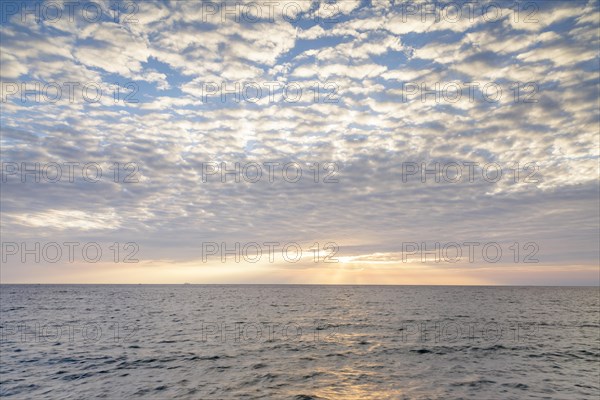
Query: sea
299	342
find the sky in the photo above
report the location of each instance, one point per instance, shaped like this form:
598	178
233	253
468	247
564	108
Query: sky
350	142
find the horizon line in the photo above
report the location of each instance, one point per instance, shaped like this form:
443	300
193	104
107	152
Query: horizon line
289	284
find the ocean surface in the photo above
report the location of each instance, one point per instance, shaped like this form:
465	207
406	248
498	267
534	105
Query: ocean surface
298	342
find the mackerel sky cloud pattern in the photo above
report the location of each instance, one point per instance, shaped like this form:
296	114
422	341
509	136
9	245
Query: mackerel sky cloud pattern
351	83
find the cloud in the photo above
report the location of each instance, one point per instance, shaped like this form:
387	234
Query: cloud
361	121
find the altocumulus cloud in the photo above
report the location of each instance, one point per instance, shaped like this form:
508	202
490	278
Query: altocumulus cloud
367	71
